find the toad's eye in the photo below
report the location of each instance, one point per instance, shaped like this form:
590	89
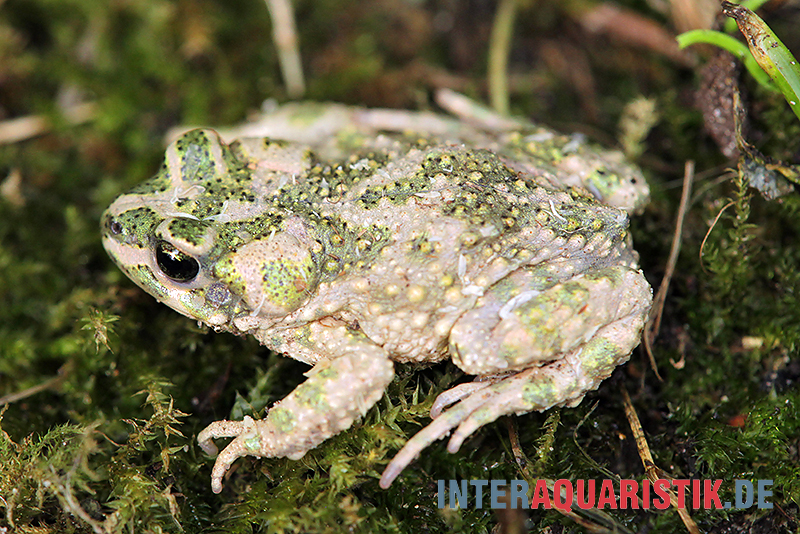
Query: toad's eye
175	264
115	227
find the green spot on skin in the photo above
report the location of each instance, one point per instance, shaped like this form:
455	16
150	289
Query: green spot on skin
612	274
282	419
540	392
572	224
188	230
157	184
197	162
599	357
229	235
138	225
327	373
312	394
225	271
606	183
253	444
286	282
543	316
144	277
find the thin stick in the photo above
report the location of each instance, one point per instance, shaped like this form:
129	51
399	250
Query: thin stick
284	35
710	228
50	383
652	471
499	45
22	128
654	321
516	448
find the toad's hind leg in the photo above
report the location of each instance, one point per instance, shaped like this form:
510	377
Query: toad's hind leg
534	389
577	366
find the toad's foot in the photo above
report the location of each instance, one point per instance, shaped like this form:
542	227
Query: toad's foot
561	382
336	393
247	442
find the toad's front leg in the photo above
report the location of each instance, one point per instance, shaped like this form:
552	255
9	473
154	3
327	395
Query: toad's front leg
346	381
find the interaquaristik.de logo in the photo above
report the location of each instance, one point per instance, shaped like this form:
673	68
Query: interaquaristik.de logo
627	494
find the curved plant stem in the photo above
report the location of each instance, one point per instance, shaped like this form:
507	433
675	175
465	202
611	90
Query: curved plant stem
730	44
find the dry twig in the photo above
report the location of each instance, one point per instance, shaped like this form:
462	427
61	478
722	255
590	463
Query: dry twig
22	128
654	321
710	228
50	383
284	35
652	471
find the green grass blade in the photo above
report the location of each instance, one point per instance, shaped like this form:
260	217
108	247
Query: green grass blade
732	45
